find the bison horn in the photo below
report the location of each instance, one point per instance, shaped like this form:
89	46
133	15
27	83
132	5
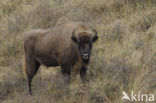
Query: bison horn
92	32
74	37
94	35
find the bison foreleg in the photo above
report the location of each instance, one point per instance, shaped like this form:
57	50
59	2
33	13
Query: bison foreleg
66	71
83	71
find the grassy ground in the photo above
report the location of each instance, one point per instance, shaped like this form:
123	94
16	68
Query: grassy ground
123	59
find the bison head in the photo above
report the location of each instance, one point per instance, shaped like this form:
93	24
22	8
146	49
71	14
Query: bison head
84	38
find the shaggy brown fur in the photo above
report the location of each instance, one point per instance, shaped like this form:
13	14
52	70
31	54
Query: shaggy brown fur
59	46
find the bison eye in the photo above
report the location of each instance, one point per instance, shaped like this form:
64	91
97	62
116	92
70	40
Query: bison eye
74	39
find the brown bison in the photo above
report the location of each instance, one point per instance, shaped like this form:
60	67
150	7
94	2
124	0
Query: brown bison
66	45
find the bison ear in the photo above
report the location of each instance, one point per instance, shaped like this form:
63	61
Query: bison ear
74	39
95	38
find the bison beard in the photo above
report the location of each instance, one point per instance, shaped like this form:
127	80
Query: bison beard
44	47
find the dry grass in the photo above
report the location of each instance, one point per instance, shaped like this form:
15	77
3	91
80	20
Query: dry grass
124	58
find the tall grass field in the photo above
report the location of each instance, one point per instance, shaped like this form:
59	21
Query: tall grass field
123	59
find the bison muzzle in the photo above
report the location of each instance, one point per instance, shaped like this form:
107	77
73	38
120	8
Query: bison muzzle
66	45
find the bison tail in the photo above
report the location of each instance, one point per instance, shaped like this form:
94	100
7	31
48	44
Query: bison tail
24	66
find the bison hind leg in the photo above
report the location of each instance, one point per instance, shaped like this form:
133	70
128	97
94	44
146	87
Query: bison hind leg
31	69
